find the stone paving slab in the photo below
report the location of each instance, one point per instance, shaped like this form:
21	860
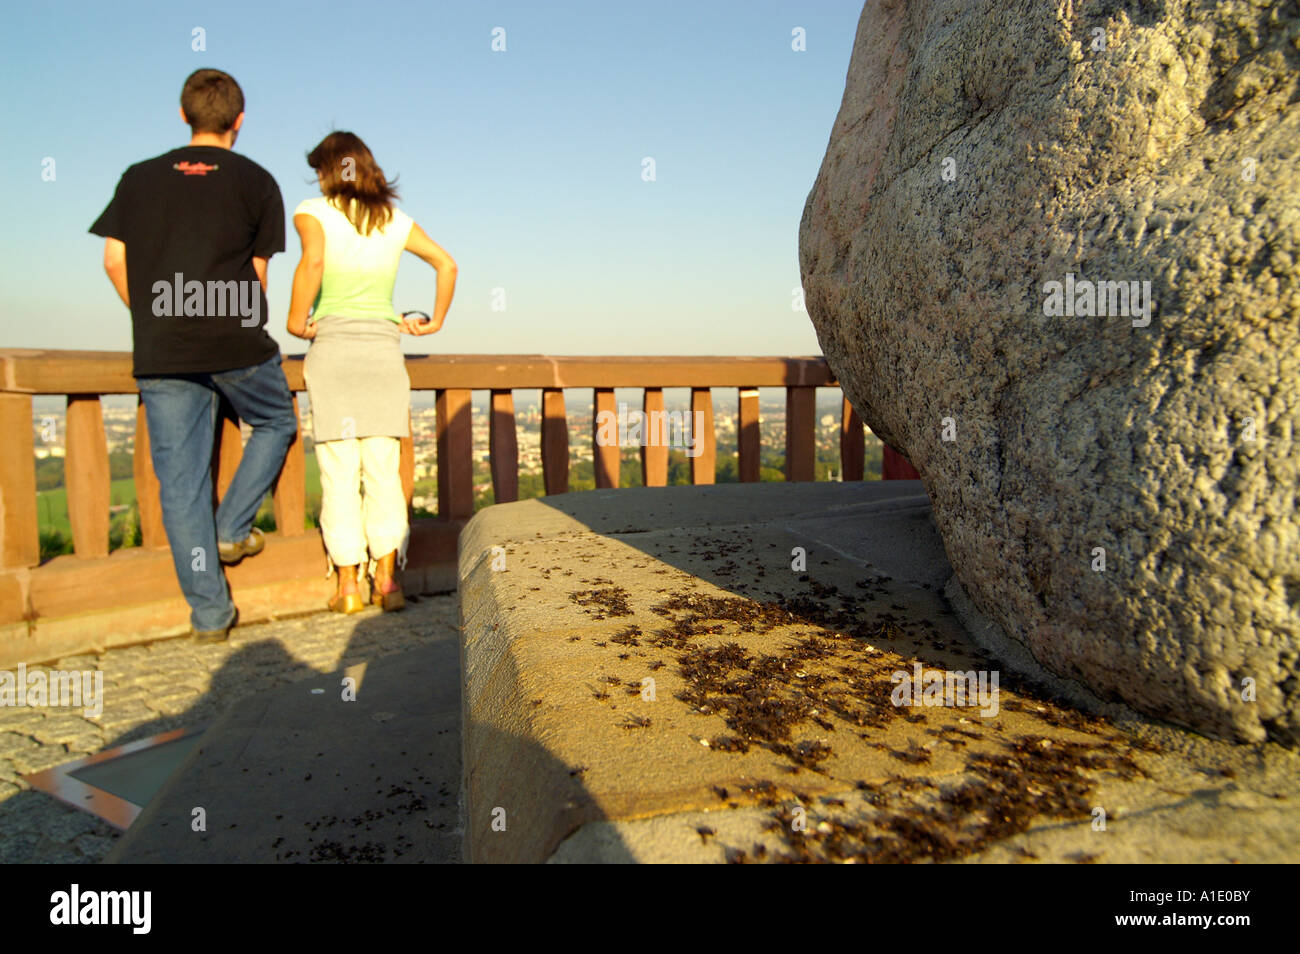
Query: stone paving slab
205	680
772	732
301	774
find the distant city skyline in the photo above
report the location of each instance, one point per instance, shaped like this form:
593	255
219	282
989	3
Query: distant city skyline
49	419
827	397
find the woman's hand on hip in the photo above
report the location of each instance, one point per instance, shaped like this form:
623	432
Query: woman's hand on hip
414	326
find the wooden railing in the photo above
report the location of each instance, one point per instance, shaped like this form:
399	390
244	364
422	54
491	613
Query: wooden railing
84	377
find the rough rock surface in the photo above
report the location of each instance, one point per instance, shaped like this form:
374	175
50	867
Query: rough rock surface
1168	156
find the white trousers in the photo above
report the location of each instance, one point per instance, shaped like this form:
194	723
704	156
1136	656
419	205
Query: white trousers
350	522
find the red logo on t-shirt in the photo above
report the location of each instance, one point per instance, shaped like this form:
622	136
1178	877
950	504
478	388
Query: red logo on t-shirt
194	168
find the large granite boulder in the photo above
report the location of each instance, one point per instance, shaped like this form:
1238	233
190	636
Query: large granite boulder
992	164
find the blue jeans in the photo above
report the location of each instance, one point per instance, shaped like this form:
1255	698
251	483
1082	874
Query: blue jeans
182	417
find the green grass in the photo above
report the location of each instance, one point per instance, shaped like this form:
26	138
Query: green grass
56	529
52	505
313	474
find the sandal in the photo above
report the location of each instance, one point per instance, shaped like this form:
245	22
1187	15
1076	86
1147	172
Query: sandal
390	600
346	602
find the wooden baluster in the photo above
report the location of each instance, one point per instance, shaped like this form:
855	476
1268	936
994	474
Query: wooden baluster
229	450
503	447
20	542
152	532
86	475
606	455
406	463
289	498
853	443
455	454
704	442
800	433
748	444
555	442
654	440
894	466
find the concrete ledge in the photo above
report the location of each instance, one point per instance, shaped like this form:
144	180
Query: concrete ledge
772	703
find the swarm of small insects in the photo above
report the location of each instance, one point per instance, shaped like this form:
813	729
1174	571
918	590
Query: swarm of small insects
627	637
609	601
764	698
727	743
1001	796
913	754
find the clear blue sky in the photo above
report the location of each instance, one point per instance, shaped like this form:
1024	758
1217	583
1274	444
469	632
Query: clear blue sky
525	165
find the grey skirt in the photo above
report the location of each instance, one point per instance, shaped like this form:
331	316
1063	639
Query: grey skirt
356	379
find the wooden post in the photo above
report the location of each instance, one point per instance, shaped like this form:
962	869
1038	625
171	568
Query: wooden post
503	447
608	455
85	475
289	499
853	443
894	466
455	454
555	442
20	542
748	443
152	532
406	464
800	433
654	442
704	442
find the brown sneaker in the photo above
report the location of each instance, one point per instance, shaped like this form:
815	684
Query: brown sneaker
234	552
217	635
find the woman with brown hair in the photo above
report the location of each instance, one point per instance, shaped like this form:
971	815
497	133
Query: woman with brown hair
353	237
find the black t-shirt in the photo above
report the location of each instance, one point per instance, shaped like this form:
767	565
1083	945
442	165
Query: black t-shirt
193	220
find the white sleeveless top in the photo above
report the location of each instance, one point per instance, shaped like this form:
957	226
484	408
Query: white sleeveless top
360	270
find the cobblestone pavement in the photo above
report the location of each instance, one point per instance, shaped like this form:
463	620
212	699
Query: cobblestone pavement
171	684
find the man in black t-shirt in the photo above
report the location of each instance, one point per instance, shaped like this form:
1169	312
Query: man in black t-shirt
188	235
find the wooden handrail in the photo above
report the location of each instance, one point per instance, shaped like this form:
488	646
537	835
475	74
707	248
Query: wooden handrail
35	371
86	375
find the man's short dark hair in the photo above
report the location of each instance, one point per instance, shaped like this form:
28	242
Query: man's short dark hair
212	101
